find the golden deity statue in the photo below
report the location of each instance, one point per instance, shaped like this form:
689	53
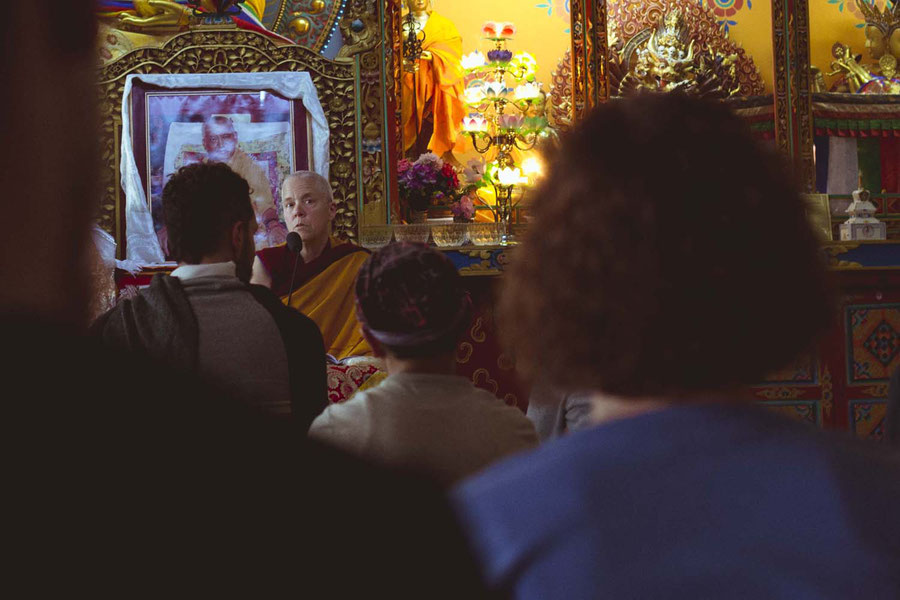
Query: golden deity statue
669	62
125	26
855	74
882	29
883	42
431	102
156	14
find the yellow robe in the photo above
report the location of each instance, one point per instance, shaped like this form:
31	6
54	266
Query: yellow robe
437	86
329	299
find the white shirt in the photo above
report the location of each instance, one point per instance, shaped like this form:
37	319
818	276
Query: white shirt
222	269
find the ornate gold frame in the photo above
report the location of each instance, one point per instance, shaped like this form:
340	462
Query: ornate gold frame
346	101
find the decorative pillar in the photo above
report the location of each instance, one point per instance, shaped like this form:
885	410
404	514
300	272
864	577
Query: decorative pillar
590	58
793	96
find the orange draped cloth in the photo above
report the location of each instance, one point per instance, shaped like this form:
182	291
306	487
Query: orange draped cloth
436	88
323	291
329	300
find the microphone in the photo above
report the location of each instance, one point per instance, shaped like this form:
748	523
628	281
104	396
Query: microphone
294	242
295	245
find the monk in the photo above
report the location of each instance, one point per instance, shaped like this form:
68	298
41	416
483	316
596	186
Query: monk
327	268
432	108
220	141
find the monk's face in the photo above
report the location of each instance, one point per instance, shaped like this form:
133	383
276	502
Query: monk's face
417	6
307	209
219	140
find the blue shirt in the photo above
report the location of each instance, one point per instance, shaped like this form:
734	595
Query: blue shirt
697	501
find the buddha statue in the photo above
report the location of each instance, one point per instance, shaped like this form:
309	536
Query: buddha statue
156	14
882	29
431	102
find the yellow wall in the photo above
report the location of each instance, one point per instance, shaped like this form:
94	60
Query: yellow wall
753	32
543	27
833	21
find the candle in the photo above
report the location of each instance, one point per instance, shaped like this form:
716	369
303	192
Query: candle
532	167
510	176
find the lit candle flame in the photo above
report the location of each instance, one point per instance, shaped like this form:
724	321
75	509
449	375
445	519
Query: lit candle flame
532	167
510	176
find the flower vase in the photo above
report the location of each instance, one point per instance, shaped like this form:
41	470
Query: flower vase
418	216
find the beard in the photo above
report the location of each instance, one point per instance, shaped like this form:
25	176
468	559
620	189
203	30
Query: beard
222	154
244	261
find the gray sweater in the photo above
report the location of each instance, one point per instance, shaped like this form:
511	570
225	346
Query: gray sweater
240	338
240	346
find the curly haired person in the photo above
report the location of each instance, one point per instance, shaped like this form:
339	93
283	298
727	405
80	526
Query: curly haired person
671	265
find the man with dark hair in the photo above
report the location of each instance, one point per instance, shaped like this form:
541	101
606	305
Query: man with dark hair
205	317
413	309
123	477
689	272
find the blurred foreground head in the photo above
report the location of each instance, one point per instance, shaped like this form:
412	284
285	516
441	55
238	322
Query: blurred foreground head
48	171
670	254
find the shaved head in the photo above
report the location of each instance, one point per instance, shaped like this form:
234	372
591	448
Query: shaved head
314	181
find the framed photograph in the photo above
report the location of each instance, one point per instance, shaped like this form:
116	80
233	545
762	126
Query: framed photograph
819	215
262	135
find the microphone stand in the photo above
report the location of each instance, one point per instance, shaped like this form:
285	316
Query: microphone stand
295	245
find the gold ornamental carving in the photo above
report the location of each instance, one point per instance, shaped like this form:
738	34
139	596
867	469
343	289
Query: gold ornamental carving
581	52
560	106
667	45
783	131
235	51
360	28
802	96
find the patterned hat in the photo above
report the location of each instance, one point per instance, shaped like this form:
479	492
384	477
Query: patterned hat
410	296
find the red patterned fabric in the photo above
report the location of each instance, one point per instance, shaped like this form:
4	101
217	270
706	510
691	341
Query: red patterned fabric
479	356
344	380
